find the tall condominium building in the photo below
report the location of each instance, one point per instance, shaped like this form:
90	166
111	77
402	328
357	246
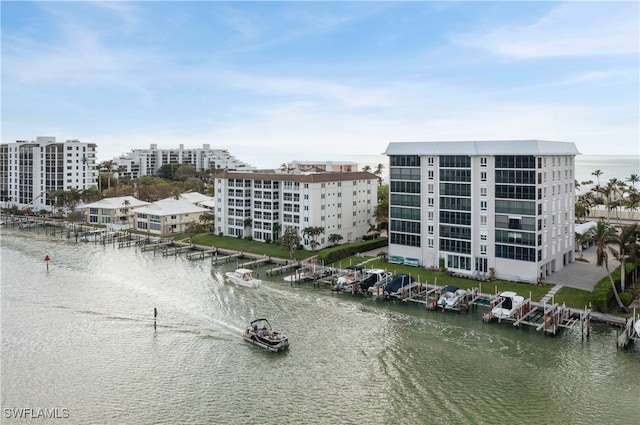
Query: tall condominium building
30	171
341	203
146	162
502	209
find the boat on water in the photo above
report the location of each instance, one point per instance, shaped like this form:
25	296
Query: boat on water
307	273
244	277
346	282
398	284
636	327
508	303
374	278
451	297
261	333
94	236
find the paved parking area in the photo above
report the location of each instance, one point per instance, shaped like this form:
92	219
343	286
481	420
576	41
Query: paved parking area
579	274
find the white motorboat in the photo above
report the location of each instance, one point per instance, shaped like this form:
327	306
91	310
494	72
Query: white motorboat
451	297
353	276
636	327
93	236
244	277
374	278
508	303
261	334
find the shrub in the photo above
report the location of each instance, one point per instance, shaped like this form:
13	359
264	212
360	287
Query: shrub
626	298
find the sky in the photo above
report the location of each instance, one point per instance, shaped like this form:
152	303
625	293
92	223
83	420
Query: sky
274	82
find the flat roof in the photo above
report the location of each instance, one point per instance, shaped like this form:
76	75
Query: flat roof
302	178
480	147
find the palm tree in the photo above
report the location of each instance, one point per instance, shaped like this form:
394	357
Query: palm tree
626	243
312	233
247	224
277	227
378	173
126	206
633	179
366	168
602	235
597	173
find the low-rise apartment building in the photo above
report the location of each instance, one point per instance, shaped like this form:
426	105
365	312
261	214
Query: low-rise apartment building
262	205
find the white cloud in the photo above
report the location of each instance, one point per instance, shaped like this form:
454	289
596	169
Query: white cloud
572	29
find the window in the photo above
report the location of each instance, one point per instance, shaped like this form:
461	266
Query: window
483	176
483	205
483	249
483	161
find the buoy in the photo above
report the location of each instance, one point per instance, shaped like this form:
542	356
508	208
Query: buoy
46	259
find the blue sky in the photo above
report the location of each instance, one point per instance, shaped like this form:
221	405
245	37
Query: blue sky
280	81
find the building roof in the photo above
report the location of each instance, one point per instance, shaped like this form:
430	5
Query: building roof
117	202
488	147
583	228
195	197
302	178
171	206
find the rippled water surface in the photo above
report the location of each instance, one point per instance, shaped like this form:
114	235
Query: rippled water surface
80	336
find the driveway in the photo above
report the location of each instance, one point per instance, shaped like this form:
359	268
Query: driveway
579	274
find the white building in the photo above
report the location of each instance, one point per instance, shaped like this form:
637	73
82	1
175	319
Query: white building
146	162
31	171
496	208
199	199
116	213
168	216
321	166
341	203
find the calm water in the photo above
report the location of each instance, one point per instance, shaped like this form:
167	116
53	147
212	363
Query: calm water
80	337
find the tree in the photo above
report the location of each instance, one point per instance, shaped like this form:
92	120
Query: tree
633	179
602	235
366	168
312	232
381	212
290	240
208	221
247	223
276	231
597	173
335	238
167	171
126	207
184	171
378	173
192	230
91	194
625	241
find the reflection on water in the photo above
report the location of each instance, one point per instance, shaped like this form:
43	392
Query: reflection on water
80	336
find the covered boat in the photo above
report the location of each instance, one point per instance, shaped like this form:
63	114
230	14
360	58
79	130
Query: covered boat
261	334
508	303
244	277
398	283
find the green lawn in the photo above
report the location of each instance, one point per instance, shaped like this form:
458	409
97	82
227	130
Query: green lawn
244	245
572	297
